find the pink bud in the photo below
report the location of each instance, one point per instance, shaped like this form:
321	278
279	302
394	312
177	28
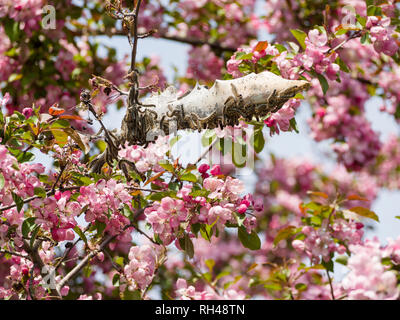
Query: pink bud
100	256
341	249
242	209
25	271
321	112
359	225
215	170
69	234
307	230
270	122
57	195
27	112
64	291
203	168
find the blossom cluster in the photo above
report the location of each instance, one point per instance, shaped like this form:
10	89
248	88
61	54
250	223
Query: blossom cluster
223	199
139	271
368	278
319	243
185	292
147	158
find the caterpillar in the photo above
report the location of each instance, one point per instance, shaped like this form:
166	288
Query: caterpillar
250	97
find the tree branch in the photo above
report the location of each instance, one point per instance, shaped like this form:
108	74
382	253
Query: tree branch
38	262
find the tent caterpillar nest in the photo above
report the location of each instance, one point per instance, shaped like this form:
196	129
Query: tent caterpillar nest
249	97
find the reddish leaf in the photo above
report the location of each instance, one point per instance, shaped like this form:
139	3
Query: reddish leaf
318	194
55	111
262	45
71	117
364	212
154	177
284	233
339	27
356	197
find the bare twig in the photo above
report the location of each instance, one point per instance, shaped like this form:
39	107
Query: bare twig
206	151
38	262
330	284
15	254
48	193
134	33
74	272
62	168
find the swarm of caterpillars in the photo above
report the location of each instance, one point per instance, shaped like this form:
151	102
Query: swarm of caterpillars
250	98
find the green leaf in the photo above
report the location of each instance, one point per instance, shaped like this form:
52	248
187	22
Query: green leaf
80	234
100	226
250	241
41	192
77	138
301	286
34	235
188	177
342	259
115	280
18	201
87	271
60	136
365	39
341	32
300	37
323	82
210	263
258	140
369	2
293	125
280	48
342	65
131	295
166	165
187	245
127	211
60	123
364	212
362	20
371	10
11	28
119	261
2	181
206	231
243	56
272	285
157	196
328	265
27	226
195	228
284	233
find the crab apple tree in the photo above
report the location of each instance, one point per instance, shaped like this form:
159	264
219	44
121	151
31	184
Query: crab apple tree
123	214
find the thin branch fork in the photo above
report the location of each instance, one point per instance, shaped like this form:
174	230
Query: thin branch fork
74	272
